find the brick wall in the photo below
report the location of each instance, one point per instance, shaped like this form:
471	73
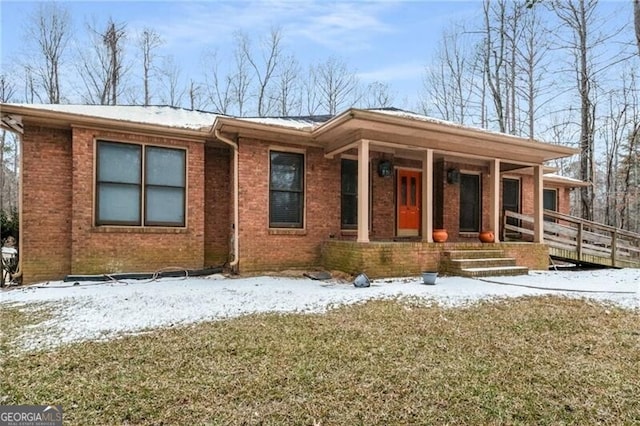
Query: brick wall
218	209
532	255
381	259
59	236
564	200
262	248
45	246
383	209
133	249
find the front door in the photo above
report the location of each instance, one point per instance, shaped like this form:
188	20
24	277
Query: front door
470	207
408	201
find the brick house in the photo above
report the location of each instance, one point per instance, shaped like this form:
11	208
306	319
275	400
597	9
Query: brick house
128	188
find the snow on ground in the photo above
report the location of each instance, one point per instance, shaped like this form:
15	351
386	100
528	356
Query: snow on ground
94	311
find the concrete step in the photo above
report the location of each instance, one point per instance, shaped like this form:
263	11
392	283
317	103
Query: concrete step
473	254
457	264
494	271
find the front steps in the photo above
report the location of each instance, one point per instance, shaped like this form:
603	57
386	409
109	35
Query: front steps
480	263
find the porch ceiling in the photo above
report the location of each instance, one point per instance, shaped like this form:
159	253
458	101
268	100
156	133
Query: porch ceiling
402	133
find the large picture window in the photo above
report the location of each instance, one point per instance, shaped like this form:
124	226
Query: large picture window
140	185
349	191
286	190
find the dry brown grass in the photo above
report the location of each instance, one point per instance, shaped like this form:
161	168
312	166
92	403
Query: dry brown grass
527	361
14	319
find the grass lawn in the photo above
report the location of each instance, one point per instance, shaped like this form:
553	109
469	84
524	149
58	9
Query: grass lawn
540	360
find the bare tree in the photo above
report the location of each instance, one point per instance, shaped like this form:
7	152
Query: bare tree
93	68
149	40
102	68
196	100
49	28
448	83
514	39
312	100
612	133
578	16
263	64
113	38
636	18
218	86
532	61
494	56
378	95
287	96
240	78
336	85
7	92
170	80
29	85
627	172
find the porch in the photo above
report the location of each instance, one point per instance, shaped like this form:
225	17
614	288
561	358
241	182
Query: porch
440	176
381	259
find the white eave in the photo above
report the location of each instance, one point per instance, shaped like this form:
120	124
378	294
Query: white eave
564	181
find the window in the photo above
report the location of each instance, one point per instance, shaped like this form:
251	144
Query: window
511	199
550	202
128	188
349	204
286	190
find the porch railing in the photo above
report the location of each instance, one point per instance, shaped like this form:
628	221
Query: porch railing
577	239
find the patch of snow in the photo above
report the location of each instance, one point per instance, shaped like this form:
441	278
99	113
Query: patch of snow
95	311
300	123
554	177
158	115
420	117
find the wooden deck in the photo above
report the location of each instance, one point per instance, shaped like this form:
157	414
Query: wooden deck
577	240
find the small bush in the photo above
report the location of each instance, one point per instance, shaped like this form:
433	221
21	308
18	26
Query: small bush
9	224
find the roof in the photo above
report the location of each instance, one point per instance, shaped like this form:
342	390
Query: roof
383	126
564	181
302	122
420	117
157	115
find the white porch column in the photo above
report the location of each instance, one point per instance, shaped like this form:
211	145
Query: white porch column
538	188
363	191
494	207
427	196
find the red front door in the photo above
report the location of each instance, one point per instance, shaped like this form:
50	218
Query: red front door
408	202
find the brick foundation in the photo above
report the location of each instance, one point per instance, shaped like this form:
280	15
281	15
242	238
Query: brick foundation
397	259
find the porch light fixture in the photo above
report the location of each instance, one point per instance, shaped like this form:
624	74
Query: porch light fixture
453	176
385	168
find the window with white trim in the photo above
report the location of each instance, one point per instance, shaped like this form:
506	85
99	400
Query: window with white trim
140	185
286	189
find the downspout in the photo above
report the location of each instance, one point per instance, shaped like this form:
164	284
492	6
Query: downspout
18	273
236	192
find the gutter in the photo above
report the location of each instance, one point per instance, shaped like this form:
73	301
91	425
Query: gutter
236	192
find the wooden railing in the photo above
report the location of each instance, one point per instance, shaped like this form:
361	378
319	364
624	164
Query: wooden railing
577	239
